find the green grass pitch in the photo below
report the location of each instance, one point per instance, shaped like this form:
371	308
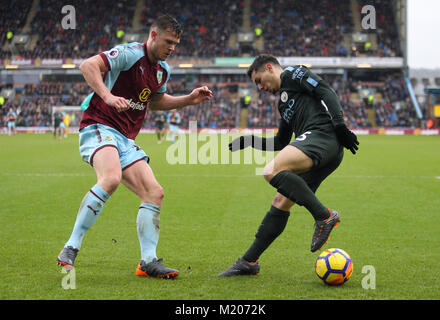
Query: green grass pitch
388	196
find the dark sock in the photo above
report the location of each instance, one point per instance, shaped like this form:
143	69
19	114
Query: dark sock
296	189
271	227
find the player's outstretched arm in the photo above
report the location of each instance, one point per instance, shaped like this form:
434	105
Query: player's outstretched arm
91	69
276	143
167	102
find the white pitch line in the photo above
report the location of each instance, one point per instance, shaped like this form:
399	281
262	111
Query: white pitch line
65	174
46	174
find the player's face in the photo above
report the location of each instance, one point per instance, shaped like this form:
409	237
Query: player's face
266	79
164	44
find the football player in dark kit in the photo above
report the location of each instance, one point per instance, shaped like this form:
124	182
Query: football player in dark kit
159	121
310	109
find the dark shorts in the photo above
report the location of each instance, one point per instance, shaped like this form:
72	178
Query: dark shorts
159	125
323	148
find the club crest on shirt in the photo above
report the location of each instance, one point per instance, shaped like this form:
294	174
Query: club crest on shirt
284	96
159	76
113	53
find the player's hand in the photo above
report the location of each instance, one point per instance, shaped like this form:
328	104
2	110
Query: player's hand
200	94
240	143
347	138
119	103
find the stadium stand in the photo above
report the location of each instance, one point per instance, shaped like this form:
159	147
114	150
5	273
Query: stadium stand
12	19
97	26
385	37
312	28
207	25
316	28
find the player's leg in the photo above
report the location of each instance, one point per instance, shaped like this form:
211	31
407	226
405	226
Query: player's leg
282	173
108	172
140	179
282	176
270	228
61	130
172	133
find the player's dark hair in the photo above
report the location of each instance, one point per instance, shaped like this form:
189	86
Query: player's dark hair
260	61
167	22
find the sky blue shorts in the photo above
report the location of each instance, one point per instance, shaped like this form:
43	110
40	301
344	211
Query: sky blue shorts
97	136
173	127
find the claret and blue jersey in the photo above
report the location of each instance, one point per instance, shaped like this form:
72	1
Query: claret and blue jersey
130	75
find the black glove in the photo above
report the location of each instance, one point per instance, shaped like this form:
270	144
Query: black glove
347	138
240	143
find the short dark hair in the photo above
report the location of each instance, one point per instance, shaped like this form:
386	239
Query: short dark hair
260	61
165	22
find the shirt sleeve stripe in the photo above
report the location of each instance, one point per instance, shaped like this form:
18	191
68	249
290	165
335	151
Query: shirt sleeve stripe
104	57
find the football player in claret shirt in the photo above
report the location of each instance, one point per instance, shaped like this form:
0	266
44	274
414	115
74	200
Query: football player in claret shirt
12	117
310	109
134	77
173	120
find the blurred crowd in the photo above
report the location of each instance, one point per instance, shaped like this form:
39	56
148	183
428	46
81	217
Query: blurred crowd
207	25
382	103
387	98
307	28
97	23
12	18
34	102
388	44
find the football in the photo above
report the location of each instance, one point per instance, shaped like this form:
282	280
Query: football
334	266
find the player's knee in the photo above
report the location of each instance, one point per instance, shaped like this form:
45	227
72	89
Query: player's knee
153	195
269	172
159	193
110	182
281	202
278	200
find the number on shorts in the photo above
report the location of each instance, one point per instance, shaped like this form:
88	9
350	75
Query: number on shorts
303	136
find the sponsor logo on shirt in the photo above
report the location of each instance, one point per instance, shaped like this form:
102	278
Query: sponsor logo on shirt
145	93
288	112
136	105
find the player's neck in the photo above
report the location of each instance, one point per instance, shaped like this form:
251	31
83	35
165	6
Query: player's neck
150	56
